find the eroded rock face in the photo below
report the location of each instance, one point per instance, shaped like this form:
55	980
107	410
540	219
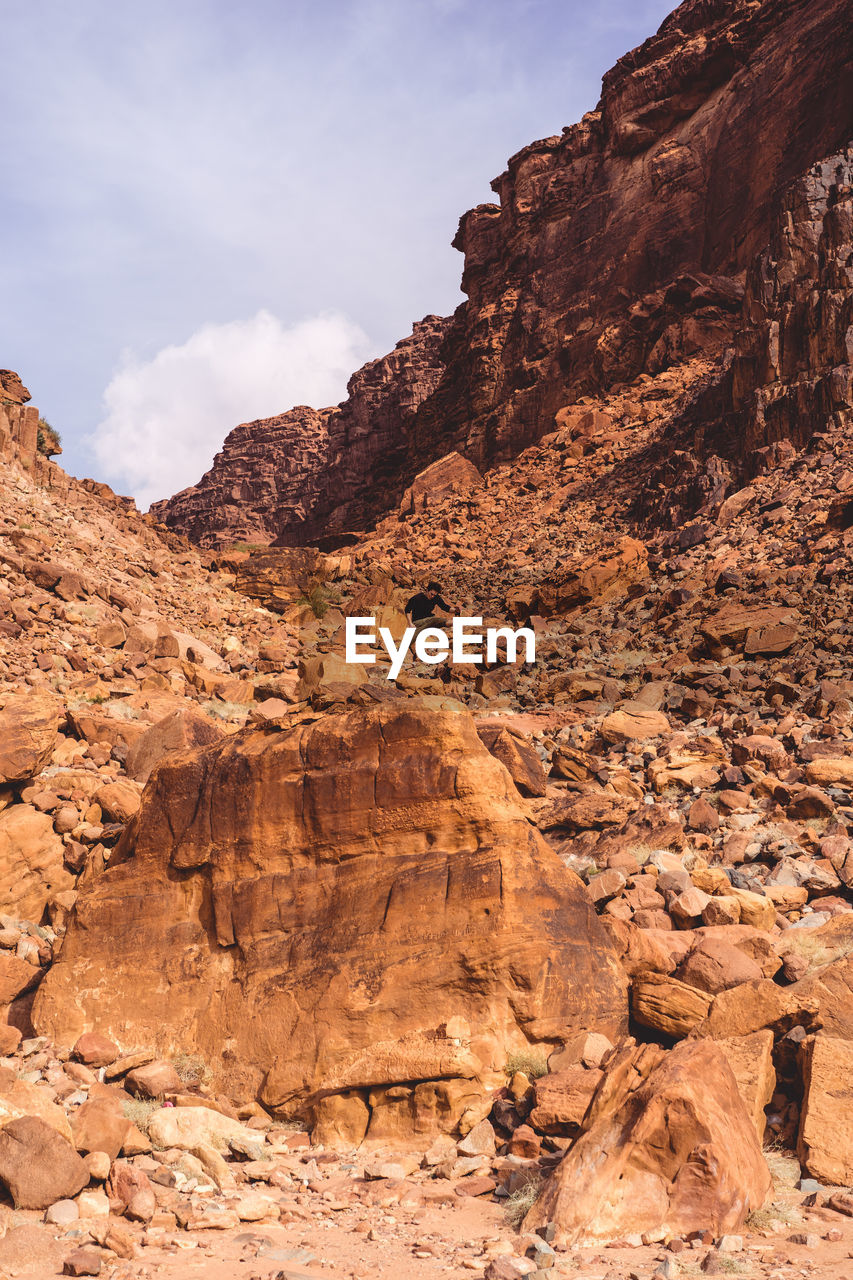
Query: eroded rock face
823	1146
31	861
28	726
616	248
791	375
667	1144
349	904
290	478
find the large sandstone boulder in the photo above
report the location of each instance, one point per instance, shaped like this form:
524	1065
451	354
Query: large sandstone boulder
31	862
667	1145
606	575
751	1061
186	1127
824	1139
450	474
352	903
28	726
633	722
37	1165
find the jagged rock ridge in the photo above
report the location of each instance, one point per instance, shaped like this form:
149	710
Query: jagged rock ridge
618	247
287	473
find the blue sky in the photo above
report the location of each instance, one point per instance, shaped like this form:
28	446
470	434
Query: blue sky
212	212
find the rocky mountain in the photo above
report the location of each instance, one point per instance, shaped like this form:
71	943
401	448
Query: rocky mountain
491	968
617	248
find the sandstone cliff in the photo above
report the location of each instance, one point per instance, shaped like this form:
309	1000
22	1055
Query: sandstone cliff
789	373
617	247
287	478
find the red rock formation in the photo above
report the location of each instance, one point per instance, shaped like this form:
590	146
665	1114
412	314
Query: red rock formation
351	904
284	479
667	1145
617	247
791	373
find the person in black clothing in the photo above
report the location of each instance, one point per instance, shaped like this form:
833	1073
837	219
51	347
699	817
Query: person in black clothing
421	608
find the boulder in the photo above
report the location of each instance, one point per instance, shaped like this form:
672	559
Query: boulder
32	870
633	722
20	1097
757	1006
37	1165
153	1080
340	1121
16	977
667	1005
450	474
28	727
667	1146
715	965
100	1125
830	771
188	1127
753	629
562	1099
751	1060
404	1115
823	1143
519	757
95	1050
605	575
176	732
396	918
119	801
831	990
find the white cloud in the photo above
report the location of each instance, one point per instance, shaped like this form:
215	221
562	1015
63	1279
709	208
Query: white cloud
166	417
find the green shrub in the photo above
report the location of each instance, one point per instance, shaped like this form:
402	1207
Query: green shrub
318	598
48	440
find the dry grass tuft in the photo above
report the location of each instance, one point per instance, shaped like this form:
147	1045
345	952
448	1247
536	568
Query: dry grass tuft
517	1205
533	1062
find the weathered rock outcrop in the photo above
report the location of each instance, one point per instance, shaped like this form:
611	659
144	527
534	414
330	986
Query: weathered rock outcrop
666	1145
28	729
21	437
616	248
351	904
309	472
790	373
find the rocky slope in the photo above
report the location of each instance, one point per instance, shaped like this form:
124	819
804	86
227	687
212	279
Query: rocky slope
617	248
491	969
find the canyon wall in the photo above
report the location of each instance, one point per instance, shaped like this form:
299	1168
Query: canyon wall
617	247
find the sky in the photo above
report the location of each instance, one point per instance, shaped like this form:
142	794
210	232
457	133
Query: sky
212	212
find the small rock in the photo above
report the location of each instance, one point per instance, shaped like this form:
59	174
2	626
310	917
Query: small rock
82	1262
98	1164
479	1142
730	1244
93	1204
62	1213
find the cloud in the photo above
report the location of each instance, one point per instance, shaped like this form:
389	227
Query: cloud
166	417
